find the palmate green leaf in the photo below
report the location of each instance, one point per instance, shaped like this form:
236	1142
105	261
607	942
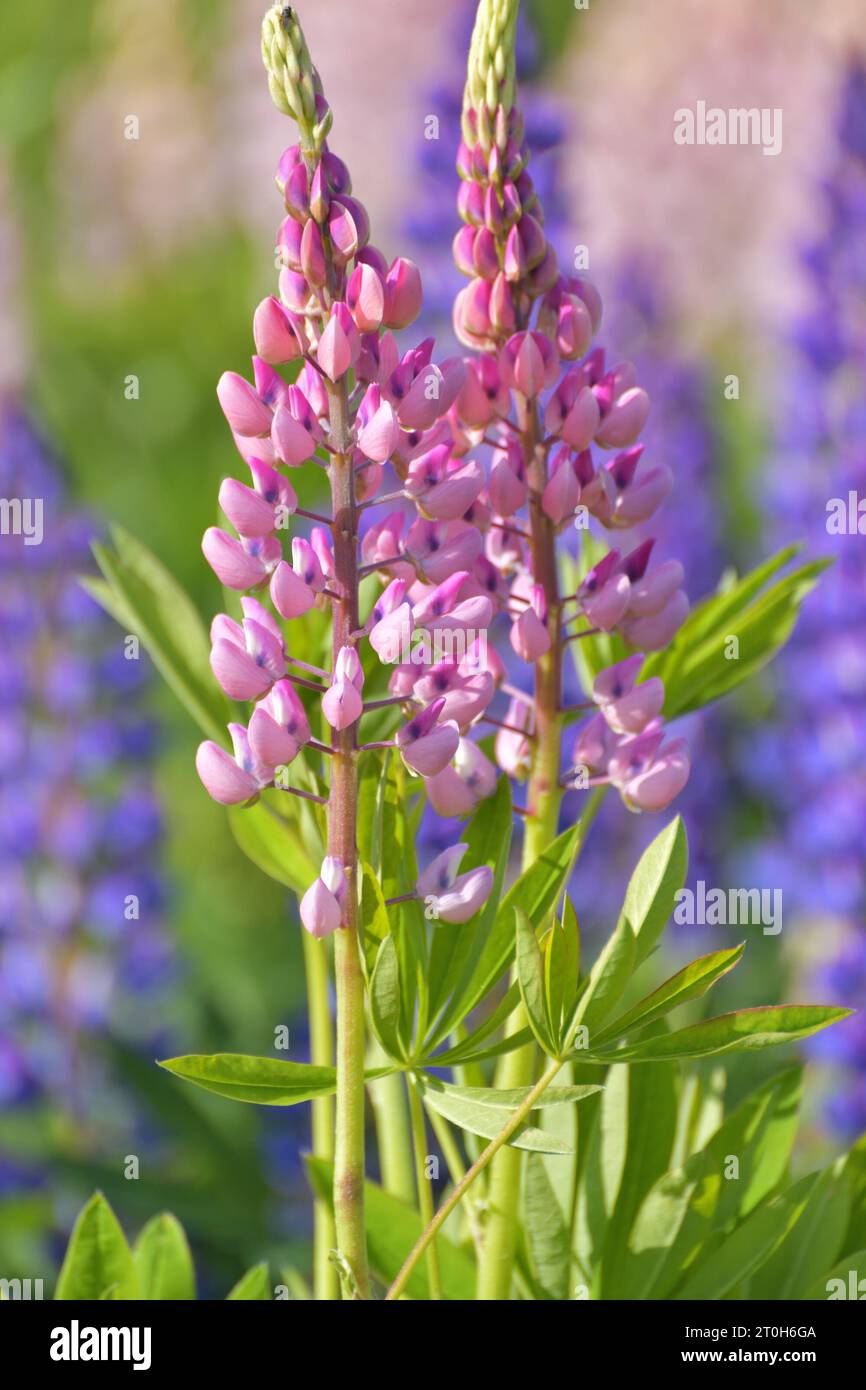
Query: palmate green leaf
744	1030
689	983
252	1287
258	1080
163	1262
812	1244
530	974
392	1230
97	1257
385	998
485	1111
147	599
274	842
547	1236
697	669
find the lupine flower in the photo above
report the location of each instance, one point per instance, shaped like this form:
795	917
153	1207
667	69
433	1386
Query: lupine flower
342	703
627	707
426	745
450	896
337	305
321	906
467	780
533	327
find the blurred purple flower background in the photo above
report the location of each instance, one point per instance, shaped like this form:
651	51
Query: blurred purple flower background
83	950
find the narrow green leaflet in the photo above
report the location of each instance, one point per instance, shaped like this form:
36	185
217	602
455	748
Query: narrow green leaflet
689	983
697	669
846	1280
145	597
649	901
854	1171
258	1080
761	1131
252	1287
651	894
399	874
758	1135
372	775
742	1031
392	1230
374	917
497	1099
646	1140
654	1232
813	1242
700	1111
97	1256
561	956
163	1262
733	594
530	973
747	1247
472	1049
602	1164
547	1235
461	1050
274	843
385	998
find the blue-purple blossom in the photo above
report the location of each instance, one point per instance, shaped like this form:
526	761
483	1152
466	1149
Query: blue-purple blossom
810	760
82	947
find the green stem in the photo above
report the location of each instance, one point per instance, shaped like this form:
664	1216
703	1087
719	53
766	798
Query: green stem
392	1131
425	1187
326	1284
493	1148
343	845
518	1068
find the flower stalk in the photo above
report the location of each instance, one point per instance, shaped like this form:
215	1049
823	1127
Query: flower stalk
343	846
